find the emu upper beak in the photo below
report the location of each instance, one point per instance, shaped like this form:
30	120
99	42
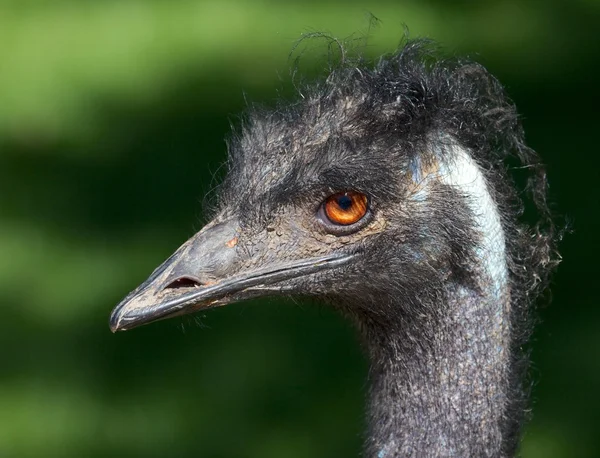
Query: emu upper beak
207	271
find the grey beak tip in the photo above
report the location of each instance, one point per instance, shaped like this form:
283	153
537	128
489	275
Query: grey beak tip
114	321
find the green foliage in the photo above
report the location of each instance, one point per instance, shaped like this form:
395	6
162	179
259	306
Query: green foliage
112	119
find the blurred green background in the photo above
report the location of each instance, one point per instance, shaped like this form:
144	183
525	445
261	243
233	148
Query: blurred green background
112	120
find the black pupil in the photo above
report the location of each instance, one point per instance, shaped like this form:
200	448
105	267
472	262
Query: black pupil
344	202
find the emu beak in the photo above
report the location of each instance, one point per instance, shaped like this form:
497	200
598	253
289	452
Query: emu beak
207	271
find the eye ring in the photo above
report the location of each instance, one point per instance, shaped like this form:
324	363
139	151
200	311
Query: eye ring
345	212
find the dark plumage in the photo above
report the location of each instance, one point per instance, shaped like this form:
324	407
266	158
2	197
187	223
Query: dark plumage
439	274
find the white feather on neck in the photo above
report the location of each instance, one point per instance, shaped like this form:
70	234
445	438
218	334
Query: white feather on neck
459	170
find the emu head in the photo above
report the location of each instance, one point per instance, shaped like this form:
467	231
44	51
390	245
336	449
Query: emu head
341	195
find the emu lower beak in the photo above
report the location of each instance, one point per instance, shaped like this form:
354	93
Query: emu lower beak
206	272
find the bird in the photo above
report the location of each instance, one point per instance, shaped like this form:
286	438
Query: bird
394	191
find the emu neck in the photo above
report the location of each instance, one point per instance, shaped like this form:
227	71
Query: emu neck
440	376
446	396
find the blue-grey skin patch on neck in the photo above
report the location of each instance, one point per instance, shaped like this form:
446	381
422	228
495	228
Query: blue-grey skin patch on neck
421	174
420	195
416	170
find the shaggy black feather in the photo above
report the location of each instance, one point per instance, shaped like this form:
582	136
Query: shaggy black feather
418	290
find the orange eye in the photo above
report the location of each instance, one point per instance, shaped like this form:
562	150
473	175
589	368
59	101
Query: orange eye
345	208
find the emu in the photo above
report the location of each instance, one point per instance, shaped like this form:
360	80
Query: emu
385	191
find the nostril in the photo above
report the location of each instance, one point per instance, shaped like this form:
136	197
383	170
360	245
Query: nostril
184	282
